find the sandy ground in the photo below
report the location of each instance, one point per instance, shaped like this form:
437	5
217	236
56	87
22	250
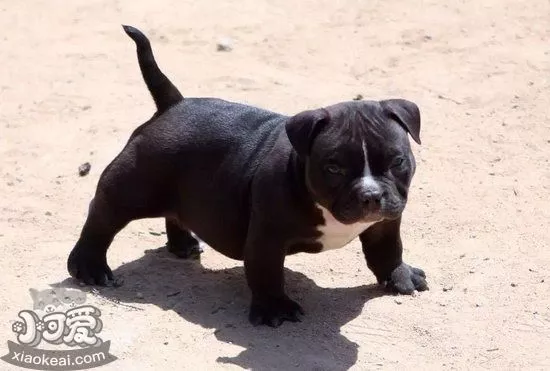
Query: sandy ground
477	219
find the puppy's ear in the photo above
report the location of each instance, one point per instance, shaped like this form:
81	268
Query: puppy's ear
304	127
406	113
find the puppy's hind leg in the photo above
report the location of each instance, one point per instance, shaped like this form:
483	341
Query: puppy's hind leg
125	192
88	260
180	241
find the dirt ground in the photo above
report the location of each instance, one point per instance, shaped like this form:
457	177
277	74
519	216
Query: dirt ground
477	219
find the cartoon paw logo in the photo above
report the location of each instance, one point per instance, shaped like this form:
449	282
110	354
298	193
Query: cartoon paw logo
40	326
18	327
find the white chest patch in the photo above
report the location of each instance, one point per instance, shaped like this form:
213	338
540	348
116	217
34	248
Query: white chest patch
335	234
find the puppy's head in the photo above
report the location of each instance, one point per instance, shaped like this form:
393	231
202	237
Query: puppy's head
359	162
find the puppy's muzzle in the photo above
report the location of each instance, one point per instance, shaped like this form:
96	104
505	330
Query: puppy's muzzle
371	200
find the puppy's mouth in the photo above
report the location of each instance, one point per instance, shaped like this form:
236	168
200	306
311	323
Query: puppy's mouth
390	216
351	216
372	218
364	215
349	209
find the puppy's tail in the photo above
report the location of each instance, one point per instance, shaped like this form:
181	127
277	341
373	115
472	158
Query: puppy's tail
164	93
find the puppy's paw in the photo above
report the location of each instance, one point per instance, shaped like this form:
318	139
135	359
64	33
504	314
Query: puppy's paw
273	312
91	268
191	250
405	279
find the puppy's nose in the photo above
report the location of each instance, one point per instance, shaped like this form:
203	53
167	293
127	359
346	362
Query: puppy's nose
371	199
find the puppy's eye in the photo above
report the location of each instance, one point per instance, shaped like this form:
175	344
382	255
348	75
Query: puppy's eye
398	161
333	169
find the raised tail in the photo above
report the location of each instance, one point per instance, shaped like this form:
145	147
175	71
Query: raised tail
164	93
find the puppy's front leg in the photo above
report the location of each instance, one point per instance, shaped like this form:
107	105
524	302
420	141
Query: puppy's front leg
264	267
383	250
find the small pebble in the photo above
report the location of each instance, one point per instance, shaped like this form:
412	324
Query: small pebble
513	284
447	288
414	294
48	213
358	97
155	233
398	301
165	343
84	169
224	45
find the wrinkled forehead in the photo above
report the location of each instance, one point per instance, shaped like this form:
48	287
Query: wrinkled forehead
360	126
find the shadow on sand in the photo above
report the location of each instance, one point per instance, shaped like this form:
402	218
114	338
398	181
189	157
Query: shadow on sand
219	299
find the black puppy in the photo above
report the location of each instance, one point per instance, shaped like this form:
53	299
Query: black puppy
257	186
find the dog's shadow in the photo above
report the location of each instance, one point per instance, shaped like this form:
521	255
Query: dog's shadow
219	299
